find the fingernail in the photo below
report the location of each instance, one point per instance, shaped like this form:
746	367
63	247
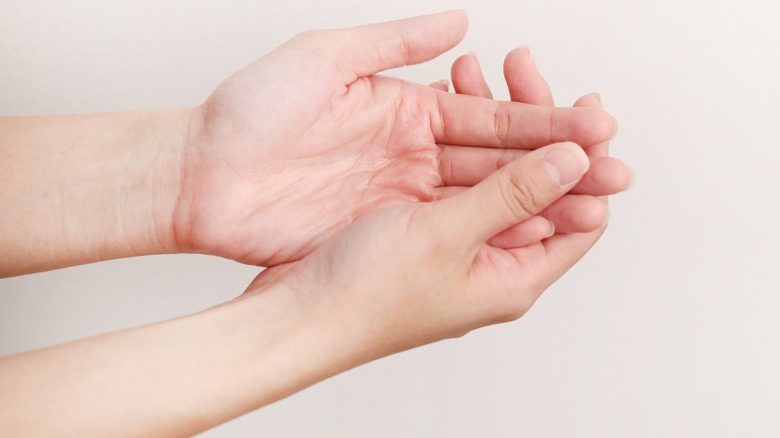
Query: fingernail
565	163
597	96
472	53
445	82
552	229
615	133
530	53
631	181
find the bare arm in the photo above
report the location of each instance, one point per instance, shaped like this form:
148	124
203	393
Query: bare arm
393	280
174	378
274	162
84	188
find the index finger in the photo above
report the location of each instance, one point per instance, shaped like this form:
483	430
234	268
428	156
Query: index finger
475	121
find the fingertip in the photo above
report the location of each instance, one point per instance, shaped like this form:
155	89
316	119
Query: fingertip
372	48
551	231
614	128
520	56
441	85
459	17
523	79
465	62
518	61
467	76
602	126
592	100
455	20
606	176
631	179
566	163
462	13
620	174
600	217
607	215
525	233
606	124
591	216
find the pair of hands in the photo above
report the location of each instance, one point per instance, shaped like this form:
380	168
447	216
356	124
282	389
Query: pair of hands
389	214
409	213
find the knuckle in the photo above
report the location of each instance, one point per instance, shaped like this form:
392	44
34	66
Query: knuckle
520	195
501	123
406	47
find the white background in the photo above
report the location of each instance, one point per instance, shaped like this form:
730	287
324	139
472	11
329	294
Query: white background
668	327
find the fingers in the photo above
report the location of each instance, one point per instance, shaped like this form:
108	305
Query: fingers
606	176
568	214
515	193
365	50
467	77
614	174
576	214
593	100
564	249
523	79
525	233
467	166
474	121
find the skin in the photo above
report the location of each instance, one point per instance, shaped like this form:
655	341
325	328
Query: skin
281	156
70	198
392	280
322	168
606	176
425	262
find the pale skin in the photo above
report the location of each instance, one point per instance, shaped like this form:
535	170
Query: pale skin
257	182
355	188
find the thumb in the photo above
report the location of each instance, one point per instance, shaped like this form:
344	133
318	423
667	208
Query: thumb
516	192
365	50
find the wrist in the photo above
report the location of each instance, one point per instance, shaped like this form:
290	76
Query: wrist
166	133
147	181
299	339
181	225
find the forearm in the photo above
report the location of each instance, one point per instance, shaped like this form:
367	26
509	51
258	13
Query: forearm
175	378
85	188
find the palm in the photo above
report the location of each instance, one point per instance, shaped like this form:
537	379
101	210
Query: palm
308	139
309	163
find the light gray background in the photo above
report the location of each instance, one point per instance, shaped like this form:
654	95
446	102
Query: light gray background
667	328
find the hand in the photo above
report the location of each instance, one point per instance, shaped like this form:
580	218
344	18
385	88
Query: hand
421	272
309	139
606	176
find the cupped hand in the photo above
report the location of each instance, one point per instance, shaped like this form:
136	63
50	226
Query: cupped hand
309	138
418	273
